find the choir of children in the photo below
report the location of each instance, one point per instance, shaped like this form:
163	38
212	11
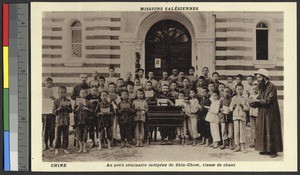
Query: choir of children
215	113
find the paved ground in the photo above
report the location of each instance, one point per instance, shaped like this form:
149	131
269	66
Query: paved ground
158	152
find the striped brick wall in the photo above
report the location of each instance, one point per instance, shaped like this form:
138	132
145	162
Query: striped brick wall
234	45
101	46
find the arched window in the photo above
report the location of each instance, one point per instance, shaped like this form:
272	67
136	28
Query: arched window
262	41
169	42
76	39
168	31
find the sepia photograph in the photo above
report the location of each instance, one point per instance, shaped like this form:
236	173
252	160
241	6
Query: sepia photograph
160	86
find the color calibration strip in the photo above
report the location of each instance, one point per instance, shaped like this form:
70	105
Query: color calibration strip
6	86
13	87
23	86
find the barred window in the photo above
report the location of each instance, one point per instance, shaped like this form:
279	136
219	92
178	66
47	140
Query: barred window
76	39
262	41
168	31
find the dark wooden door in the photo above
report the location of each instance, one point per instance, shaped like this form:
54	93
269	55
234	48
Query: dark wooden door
171	42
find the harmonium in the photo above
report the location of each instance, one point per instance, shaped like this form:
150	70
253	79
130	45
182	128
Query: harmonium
163	116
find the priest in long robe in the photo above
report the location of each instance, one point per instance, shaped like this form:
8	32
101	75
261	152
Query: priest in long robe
268	123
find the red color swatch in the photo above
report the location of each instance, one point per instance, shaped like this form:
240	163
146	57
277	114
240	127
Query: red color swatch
5	24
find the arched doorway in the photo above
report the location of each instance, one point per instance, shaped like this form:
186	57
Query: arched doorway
167	46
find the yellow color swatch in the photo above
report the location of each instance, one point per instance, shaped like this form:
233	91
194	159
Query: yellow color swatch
5	67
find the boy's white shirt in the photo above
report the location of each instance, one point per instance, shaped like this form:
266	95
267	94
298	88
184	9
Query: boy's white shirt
91	79
139	103
154	83
193	79
47	107
213	111
111	79
179	102
214	106
211	99
194	104
238	112
47	103
192	107
104	88
55	92
230	85
143	81
199	89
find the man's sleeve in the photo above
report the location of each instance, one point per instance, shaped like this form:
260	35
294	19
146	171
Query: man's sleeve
74	95
270	98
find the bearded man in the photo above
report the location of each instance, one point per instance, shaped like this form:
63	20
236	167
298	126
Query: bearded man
268	123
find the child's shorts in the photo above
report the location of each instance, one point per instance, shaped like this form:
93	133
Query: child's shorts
92	120
81	133
105	120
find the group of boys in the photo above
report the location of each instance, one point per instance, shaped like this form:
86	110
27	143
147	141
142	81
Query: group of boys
104	104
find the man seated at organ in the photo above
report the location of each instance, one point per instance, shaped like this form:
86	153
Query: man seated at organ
166	132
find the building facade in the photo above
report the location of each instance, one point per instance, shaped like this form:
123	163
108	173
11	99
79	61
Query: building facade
230	43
